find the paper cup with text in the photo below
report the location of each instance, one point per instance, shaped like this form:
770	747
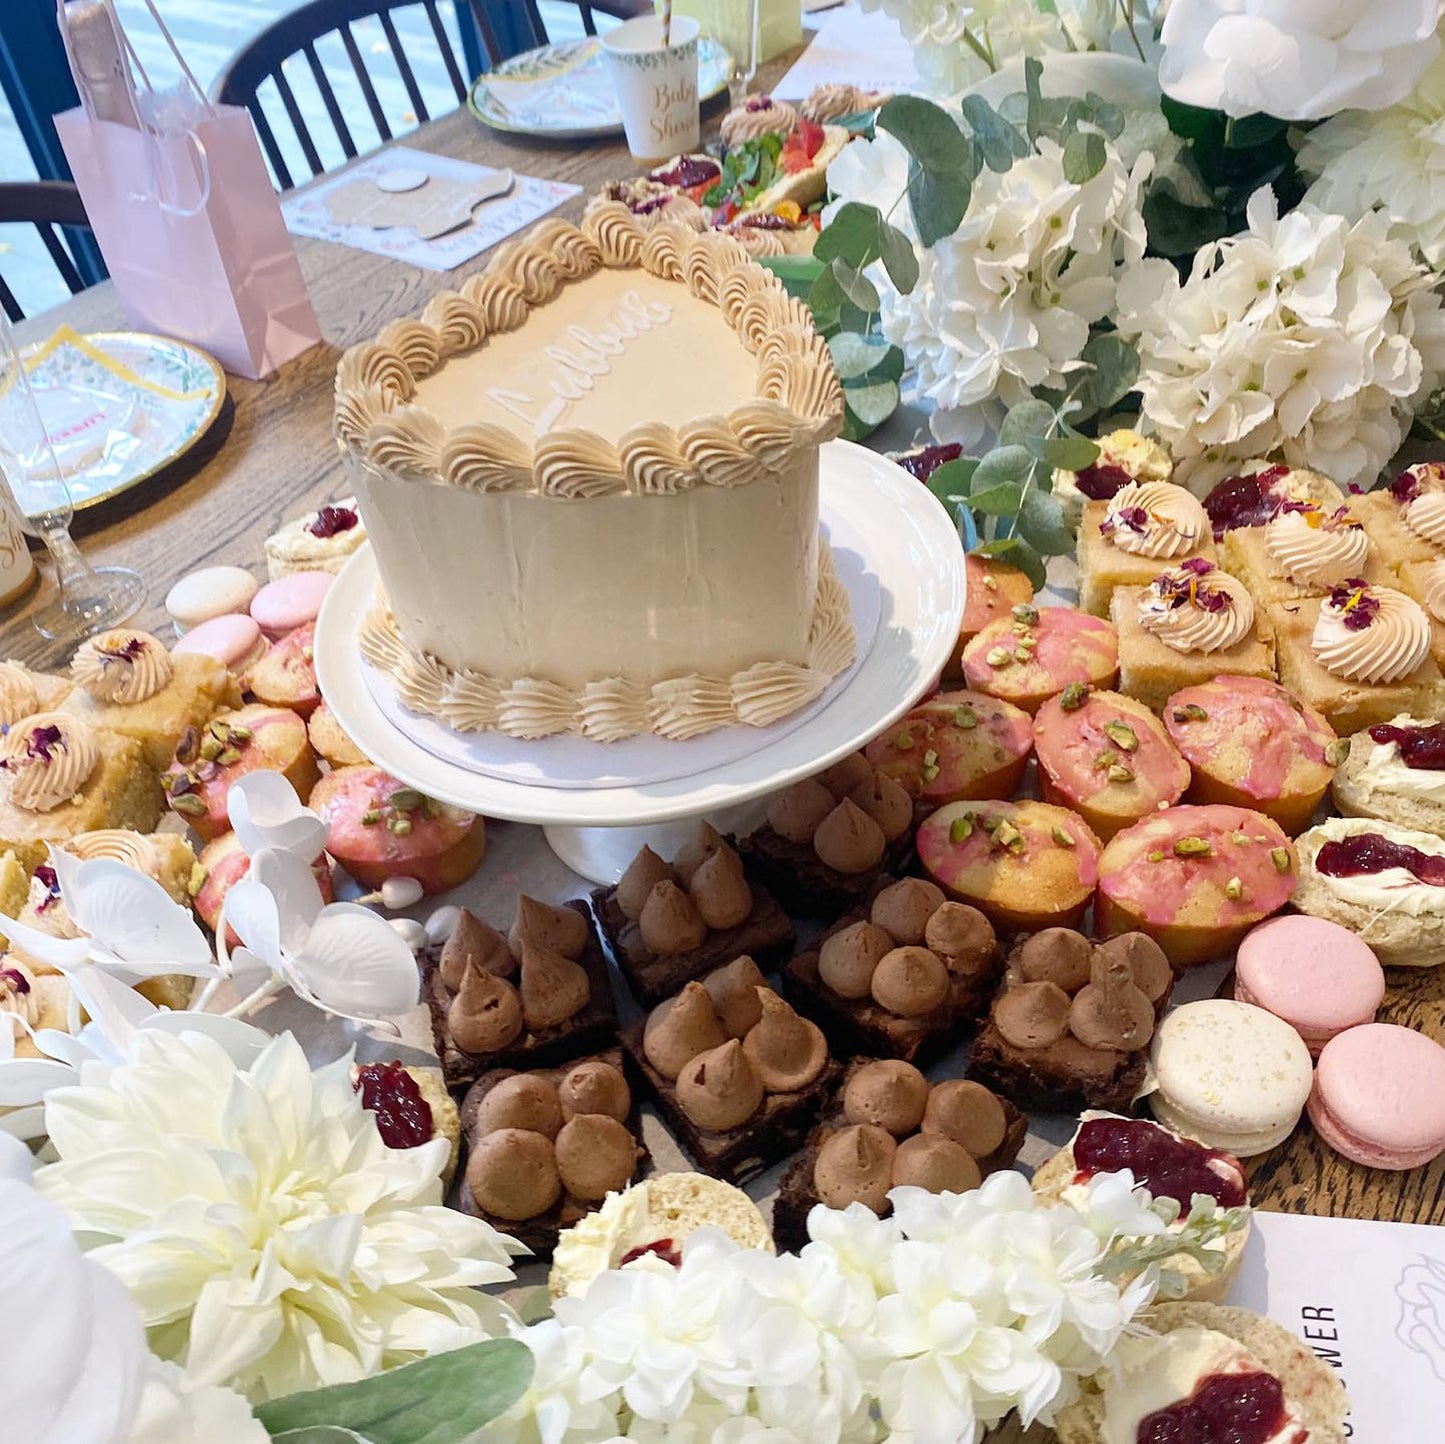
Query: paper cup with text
656	84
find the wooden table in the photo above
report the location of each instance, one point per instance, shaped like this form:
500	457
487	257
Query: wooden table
278	459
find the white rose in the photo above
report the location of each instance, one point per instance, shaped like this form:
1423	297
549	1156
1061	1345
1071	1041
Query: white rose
1296	59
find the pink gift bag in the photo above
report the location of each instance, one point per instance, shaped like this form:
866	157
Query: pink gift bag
189	225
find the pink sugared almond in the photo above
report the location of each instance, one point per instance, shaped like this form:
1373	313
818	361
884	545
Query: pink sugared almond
955	747
1025	865
382	828
1195	879
1106	756
250	739
1033	653
1253	744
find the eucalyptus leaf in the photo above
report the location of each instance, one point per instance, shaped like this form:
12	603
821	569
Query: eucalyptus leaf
1000	500
1033	97
1004	463
1084	156
437	1400
937	202
900	260
1028	421
1068	453
994	138
872	404
1114	368
1177	228
826	300
1041	524
852	234
855	286
1105	114
855	356
950	482
942	164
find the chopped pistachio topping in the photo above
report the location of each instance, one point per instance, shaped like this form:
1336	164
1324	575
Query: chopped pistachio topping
408	799
1074	695
1007	835
903	741
960	829
371	817
197	879
1026	613
1242	838
999	657
990	581
1279	856
1234	889
1062	838
1119	773
1191	712
1122	735
400	825
189	804
1337	751
965	717
1156	857
1193	847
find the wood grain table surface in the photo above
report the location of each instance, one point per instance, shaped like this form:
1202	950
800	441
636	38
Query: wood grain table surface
272	456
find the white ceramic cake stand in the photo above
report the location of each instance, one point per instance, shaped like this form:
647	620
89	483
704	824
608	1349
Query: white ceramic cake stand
911	548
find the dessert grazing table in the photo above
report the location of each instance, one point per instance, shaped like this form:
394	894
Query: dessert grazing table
278	458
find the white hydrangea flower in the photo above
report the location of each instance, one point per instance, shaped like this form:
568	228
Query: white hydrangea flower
1296	59
1004	305
175	1409
1308	337
271	1241
1392	160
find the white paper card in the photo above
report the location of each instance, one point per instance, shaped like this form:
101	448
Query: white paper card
1369	1299
309	212
853	48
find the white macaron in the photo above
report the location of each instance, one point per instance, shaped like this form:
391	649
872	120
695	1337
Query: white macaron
210	592
1230	1076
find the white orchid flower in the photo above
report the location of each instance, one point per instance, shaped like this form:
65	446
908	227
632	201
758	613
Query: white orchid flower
266	813
339	957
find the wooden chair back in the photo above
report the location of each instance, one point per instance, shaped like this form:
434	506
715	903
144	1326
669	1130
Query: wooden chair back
46	205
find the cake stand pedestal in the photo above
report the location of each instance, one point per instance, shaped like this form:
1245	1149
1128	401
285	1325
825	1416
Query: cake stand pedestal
909	546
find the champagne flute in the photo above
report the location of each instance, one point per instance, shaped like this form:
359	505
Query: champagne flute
734	25
85	600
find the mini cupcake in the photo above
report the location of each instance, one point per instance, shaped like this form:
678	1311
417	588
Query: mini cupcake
1251	744
993	590
1106	756
1395	771
1195	879
1035	652
1025	865
955	747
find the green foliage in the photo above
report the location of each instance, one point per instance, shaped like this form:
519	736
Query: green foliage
1084	156
437	1400
942	169
747	169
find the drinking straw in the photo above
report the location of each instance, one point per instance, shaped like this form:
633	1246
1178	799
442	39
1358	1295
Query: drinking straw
666	23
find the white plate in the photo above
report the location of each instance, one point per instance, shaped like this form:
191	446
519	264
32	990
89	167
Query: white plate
909	544
565	761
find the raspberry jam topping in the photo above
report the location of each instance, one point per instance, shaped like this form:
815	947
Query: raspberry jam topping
1102	480
1245	500
403	1116
1223	1409
687	171
664	1248
45	875
924	462
331	520
1367	852
1167	1166
1422	748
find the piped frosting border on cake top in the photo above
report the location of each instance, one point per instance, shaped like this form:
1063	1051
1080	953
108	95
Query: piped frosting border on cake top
799	401
611	708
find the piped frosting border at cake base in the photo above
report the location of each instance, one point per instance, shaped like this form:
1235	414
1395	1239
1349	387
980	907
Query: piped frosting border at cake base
613	708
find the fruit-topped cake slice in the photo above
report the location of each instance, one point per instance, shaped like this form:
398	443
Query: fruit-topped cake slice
1124	458
1359	655
59	777
1251	743
126	682
1035	652
209	759
955	747
320	541
1106	756
1255	495
765	168
1025	865
1406	519
1189	624
1203	1373
1380	880
1195	879
1123	542
1302	551
1424	582
1169	1165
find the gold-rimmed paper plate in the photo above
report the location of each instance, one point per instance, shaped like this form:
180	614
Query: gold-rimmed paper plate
119	406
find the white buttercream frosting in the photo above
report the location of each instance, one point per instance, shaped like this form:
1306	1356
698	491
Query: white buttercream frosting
1393	641
1384	770
1316	548
1394	889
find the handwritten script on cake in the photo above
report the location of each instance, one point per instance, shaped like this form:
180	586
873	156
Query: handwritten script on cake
579	365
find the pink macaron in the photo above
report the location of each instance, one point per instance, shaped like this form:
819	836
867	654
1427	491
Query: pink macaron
1319	977
1379	1096
235	641
290	602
